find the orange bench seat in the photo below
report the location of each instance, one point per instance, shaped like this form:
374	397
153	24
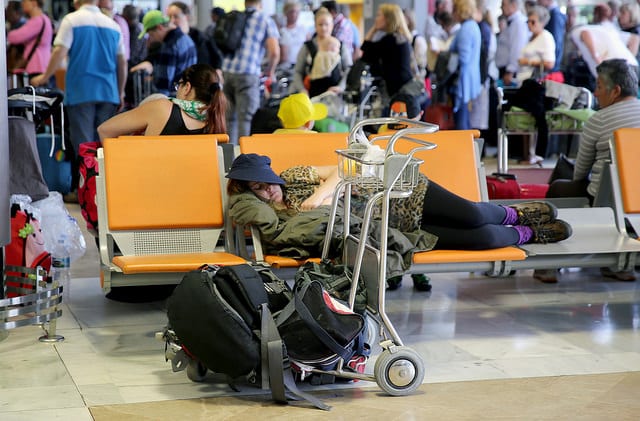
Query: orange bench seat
161	205
279	262
452	256
181	262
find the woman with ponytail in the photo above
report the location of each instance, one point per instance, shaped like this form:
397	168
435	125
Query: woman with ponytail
198	108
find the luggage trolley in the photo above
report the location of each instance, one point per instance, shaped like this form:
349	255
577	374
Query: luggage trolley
398	370
559	119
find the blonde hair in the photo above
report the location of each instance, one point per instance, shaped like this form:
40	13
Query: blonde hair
395	21
323	11
464	8
634	12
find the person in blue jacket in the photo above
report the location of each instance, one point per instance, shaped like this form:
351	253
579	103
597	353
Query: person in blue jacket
466	47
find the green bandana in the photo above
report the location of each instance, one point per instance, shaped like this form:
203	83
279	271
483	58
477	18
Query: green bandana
194	109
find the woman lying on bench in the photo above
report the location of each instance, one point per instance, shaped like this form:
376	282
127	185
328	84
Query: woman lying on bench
291	213
198	108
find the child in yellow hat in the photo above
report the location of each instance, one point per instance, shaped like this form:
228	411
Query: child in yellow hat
298	114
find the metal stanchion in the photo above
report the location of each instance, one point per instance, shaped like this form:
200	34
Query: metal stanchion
40	307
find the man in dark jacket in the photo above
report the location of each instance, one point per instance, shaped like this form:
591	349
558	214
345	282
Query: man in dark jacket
176	52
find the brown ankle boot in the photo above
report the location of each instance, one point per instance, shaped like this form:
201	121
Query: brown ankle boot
535	213
551	232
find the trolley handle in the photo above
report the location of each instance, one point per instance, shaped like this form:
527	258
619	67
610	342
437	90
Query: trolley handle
402	134
356	135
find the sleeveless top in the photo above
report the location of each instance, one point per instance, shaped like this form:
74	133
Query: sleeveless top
175	125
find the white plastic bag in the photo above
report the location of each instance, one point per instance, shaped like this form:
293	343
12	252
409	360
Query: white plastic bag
25	204
375	154
57	223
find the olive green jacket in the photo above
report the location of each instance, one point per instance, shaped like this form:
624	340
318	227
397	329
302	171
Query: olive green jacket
301	235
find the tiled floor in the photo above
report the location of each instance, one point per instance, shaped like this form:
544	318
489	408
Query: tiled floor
493	348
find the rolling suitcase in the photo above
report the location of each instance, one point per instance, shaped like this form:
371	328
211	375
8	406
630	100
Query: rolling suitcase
506	186
503	186
141	87
56	169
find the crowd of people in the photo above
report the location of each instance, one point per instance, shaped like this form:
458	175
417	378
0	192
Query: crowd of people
199	89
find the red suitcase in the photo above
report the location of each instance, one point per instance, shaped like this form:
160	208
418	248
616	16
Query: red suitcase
533	191
505	186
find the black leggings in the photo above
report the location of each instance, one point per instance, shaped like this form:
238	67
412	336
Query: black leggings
462	224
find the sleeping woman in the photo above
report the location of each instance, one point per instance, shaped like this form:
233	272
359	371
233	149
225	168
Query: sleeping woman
291	212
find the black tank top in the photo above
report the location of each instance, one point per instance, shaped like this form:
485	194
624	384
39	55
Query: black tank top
175	125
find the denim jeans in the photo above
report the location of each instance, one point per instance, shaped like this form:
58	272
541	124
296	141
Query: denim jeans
243	96
461	117
84	120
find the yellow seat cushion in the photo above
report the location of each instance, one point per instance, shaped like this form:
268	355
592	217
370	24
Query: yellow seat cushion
288	150
627	153
452	164
462	256
183	262
279	262
179	179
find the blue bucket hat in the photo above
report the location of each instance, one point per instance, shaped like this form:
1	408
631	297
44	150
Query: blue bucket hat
253	167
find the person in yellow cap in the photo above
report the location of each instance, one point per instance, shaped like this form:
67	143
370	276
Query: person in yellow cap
298	114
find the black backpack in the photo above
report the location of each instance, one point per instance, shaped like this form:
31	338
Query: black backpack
221	319
208	52
230	31
318	329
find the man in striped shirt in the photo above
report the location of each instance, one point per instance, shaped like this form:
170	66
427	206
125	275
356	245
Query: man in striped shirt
242	69
616	91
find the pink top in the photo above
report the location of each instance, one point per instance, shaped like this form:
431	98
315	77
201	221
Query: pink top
27	35
124	27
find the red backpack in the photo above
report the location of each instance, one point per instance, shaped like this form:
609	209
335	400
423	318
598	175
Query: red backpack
25	251
88	167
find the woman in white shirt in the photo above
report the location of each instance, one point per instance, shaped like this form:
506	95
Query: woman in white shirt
539	54
537	57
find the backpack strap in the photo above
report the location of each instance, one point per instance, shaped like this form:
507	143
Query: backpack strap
276	371
311	322
313	50
272	356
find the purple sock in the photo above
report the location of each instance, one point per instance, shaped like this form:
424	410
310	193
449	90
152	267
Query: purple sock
511	217
525	233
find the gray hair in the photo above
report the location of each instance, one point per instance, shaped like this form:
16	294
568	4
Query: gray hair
617	71
541	12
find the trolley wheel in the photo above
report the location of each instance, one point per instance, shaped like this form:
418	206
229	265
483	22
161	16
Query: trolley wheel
399	373
196	371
